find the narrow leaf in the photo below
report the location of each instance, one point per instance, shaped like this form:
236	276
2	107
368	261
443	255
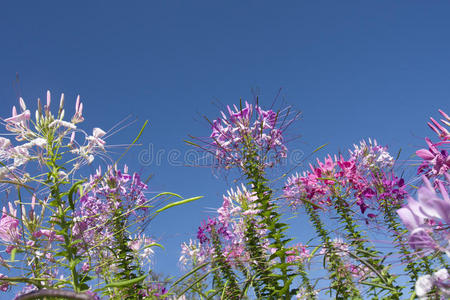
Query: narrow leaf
178	203
126	282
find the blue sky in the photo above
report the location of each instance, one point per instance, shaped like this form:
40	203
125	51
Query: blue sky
356	69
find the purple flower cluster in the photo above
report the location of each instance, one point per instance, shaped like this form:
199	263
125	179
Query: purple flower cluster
392	189
104	196
361	177
245	130
238	210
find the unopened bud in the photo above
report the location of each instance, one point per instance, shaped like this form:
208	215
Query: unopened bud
22	104
24	213
33	201
39	105
77	104
61	102
12	211
48	99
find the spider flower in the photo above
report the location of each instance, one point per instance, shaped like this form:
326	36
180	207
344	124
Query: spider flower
48	129
429	214
248	131
106	194
436	160
9	231
238	211
362	177
371	156
441	131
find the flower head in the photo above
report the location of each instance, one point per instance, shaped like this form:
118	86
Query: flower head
371	156
247	133
9	231
421	217
436	160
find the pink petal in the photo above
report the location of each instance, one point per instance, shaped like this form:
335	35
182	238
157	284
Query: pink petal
425	154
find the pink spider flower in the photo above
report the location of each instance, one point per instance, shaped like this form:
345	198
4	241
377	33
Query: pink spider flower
19	123
307	187
141	245
9	231
297	253
49	234
441	131
344	179
438	160
191	254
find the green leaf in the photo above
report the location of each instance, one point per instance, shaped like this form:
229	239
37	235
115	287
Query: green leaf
378	285
178	203
188	274
317	149
313	252
72	191
126	282
134	142
191	143
193	284
154	244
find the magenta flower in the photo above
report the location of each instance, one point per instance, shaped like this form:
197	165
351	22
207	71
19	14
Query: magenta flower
442	132
436	160
392	189
358	180
297	253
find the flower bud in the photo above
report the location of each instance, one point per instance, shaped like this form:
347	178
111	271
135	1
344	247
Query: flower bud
22	104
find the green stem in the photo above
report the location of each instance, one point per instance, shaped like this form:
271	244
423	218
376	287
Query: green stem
357	241
341	281
270	218
62	210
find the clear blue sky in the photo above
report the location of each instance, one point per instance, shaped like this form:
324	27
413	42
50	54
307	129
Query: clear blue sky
356	69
